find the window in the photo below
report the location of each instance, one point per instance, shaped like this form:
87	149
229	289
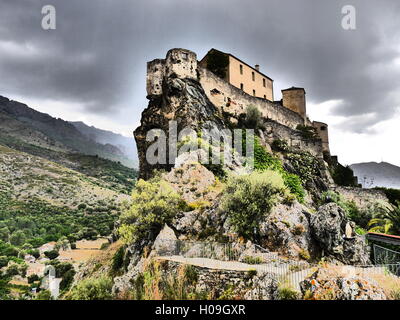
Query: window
254	92
323	128
241	86
263	82
185	55
241	69
265	97
253	76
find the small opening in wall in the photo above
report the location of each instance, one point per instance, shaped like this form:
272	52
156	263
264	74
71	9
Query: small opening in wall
241	86
323	128
264	84
254	92
265	97
185	56
253	76
241	69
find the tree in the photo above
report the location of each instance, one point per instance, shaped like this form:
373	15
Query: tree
44	295
92	289
52	254
253	117
18	238
4	234
388	222
32	278
3	261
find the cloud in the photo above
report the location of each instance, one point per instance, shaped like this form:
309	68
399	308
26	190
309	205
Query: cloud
96	58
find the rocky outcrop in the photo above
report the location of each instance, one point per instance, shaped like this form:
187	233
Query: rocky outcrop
182	100
327	284
328	227
287	230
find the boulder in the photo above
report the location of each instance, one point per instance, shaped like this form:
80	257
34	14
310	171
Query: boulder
287	231
328	284
165	243
328	227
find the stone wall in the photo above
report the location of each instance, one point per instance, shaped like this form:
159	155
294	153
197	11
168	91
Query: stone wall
229	284
275	131
233	100
362	197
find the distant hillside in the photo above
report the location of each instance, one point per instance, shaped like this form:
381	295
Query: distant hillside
125	144
372	174
19	121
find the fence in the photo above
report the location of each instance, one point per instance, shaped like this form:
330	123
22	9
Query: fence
385	256
218	251
234	256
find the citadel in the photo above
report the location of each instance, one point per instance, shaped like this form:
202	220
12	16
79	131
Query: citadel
232	85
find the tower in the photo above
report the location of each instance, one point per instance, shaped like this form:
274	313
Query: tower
295	100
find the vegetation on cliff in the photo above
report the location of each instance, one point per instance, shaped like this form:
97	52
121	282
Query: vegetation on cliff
247	200
154	203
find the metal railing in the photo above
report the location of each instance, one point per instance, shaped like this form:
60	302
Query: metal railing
253	254
385	256
254	257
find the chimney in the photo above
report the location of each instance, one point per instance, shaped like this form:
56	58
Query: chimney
257	66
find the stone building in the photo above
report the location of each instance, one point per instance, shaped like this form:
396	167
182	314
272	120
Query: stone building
232	85
240	74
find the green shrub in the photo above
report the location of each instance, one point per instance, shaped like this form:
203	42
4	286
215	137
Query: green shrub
343	176
253	117
44	295
247	200
392	194
92	289
266	161
285	292
280	145
252	260
154	203
304	254
307	132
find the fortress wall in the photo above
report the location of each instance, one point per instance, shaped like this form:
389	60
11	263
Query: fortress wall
275	131
362	197
234	100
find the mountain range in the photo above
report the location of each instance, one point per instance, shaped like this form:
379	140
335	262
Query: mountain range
18	122
373	174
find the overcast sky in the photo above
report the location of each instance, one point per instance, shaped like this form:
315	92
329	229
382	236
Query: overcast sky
92	67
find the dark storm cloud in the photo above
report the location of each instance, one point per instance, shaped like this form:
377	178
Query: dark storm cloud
98	53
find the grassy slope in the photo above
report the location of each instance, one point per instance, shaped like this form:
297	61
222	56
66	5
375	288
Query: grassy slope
113	175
